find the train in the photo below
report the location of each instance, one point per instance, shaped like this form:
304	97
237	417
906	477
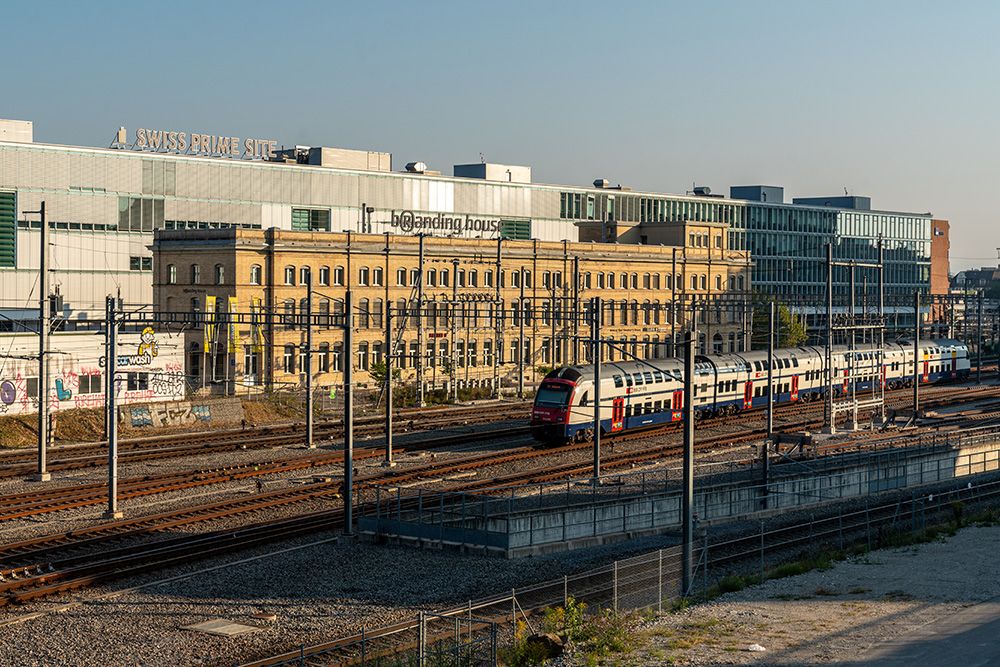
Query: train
642	393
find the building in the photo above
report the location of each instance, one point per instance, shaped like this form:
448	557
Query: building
103	205
150	369
479	312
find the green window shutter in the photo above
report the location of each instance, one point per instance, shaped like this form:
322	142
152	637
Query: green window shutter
8	229
515	229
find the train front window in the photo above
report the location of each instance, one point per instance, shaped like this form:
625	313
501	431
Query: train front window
553	395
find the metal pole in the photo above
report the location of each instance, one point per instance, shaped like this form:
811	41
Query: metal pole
497	321
916	354
388	387
348	360
852	363
43	474
673	304
420	325
687	505
110	366
979	342
765	458
454	330
520	340
595	310
828	416
309	360
881	328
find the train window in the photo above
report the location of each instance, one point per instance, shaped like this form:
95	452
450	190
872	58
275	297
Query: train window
756	365
628	380
648	376
553	394
788	364
628	411
618	380
583	399
658	405
756	391
721	388
637	378
795	362
786	387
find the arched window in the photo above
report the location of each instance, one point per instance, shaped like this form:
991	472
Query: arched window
363	356
364	275
460	277
338	275
634	308
527	278
633	281
289	313
611	281
694	281
303	275
647	315
363	319
255	274
718	283
377	278
376	313
739	283
172	274
444	277
647	281
400	277
324	313
704	281
289	275
431	277
288	360
473	278
324	276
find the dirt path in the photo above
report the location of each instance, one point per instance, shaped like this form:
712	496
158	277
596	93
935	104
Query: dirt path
832	617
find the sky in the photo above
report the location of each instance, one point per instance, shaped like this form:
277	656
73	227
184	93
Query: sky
896	101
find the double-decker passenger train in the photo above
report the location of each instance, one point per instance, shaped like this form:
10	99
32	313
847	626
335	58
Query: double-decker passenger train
637	394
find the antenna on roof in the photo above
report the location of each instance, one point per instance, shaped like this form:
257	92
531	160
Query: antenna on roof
482	159
845	192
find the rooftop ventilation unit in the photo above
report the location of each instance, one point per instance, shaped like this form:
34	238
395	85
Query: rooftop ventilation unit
416	167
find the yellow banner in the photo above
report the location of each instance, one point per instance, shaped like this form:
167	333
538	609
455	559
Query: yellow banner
209	323
256	330
234	332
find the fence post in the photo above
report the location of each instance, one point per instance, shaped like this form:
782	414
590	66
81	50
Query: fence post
615	592
811	518
659	584
513	612
761	552
363	647
565	592
705	571
868	526
421	639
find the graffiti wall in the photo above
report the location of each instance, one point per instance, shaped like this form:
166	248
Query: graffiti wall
149	367
182	413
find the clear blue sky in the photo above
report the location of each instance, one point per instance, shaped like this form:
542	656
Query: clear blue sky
893	100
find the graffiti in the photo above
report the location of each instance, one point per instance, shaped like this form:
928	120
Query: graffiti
61	393
88	400
140	416
167	384
8	393
202	412
138	395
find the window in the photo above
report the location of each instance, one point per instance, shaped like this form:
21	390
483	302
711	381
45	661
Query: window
488	278
338	275
515	278
362	322
288	360
400	277
324	313
289	275
460	277
718	283
527	278
704	281
363	275
377	276
310	220
172	274
444	277
546	279
195	305
255	274
431	278
195	274
363	355
220	274
633	281
324	276
90	384
324	358
694	282
646	282
303	275
289	314
414	276
473	278
140	263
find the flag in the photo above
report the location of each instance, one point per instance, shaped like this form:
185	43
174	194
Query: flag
209	323
234	334
256	331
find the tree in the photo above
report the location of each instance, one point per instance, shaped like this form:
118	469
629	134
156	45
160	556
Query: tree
377	372
791	330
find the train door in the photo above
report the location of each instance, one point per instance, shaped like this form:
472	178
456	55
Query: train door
677	405
927	370
747	394
881	379
617	414
847	372
954	366
795	387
